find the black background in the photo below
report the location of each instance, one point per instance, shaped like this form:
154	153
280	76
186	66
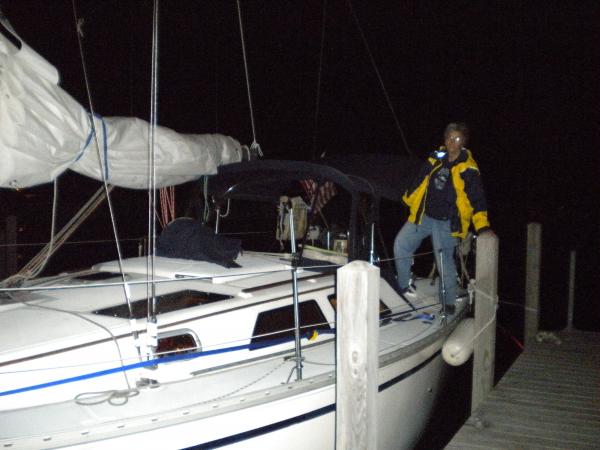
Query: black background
523	75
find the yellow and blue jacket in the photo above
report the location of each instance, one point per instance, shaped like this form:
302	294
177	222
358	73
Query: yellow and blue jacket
470	197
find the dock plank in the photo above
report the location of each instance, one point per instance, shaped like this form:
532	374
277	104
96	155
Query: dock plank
548	399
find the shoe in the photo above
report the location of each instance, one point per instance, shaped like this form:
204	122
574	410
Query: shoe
410	292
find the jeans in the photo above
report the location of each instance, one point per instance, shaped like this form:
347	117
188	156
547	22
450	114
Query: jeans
408	240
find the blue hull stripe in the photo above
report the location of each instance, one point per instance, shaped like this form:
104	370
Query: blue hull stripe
150	363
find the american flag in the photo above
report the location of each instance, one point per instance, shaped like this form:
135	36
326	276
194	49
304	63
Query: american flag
326	191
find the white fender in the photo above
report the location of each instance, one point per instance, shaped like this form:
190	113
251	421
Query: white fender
459	346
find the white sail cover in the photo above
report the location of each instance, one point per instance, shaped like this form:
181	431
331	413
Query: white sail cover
44	131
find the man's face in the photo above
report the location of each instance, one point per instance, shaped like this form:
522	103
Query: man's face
454	142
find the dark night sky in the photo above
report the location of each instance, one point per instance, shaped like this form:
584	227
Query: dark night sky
525	75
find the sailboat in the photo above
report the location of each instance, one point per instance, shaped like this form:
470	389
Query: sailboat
198	345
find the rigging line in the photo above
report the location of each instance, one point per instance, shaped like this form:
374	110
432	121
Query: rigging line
206	210
37	270
93	241
170	196
323	23
180	277
167	206
254	143
36	264
385	93
150	260
124	368
58	240
78	24
222	345
83	317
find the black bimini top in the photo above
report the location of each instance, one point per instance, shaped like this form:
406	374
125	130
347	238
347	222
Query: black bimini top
367	178
377	175
267	180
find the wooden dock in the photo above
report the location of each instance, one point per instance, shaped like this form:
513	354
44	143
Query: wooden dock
548	399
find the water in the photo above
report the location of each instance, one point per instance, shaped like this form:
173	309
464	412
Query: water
453	408
454	404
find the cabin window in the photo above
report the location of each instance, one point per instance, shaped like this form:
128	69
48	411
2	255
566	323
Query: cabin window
173	301
384	311
176	343
274	321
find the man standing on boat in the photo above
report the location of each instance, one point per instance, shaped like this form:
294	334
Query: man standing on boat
445	197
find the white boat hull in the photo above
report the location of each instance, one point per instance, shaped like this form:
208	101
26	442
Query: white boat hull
239	398
289	416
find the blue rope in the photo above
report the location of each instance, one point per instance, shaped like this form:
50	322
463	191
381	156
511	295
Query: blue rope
87	142
104	144
152	362
101	373
424	317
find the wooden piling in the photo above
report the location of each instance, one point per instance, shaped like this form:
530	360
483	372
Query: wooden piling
532	280
571	307
357	356
486	301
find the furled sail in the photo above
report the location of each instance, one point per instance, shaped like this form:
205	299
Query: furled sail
44	131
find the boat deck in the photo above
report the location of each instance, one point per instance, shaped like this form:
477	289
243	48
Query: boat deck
549	398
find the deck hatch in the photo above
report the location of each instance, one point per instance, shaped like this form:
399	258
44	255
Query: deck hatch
172	301
98	276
